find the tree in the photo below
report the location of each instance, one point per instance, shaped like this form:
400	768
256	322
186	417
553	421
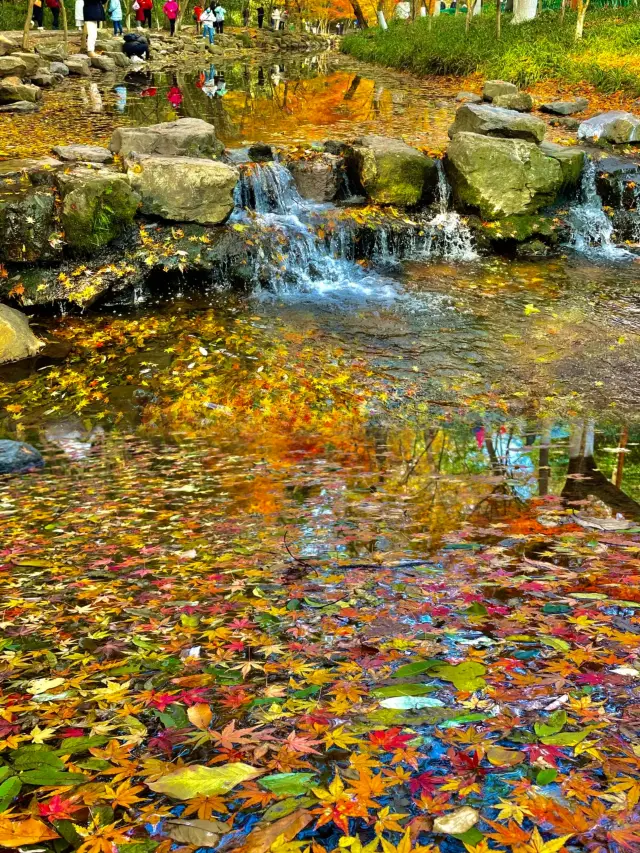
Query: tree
524	10
65	29
359	14
583	5
27	26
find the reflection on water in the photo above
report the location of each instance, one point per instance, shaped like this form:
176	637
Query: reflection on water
290	100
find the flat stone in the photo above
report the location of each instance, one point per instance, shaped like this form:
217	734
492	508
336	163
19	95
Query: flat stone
43	79
32	62
184	189
468	98
493	88
186	137
20	107
83	153
318	179
16	457
8	46
616	127
571	160
78	67
58	53
59	68
565	121
494	121
36	171
521	102
12	66
17	341
565	108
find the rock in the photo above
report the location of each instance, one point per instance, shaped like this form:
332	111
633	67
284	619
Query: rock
519	229
335	146
565	108
494	121
319	179
43	80
261	152
391	172
58	53
501	177
495	88
7	46
12	66
121	60
185	189
565	121
618	182
20	107
17	341
83	153
103	63
11	92
36	172
32	62
78	67
521	102
59	68
96	207
27	225
468	98
16	457
532	250
571	160
186	137
616	127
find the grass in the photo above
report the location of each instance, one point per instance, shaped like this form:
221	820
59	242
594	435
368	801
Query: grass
543	49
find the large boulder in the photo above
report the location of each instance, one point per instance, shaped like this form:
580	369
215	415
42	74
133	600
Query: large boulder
391	172
618	182
31	61
319	179
616	127
59	68
468	98
501	177
20	107
495	88
35	172
17	341
565	108
12	90
103	63
571	160
97	205
184	189
83	153
57	53
44	80
16	457
186	137
522	102
27	225
78	66
12	66
494	121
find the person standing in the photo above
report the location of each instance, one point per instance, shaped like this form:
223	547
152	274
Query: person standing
245	15
220	12
54	5
208	21
145	7
260	13
171	10
197	12
114	10
37	15
79	14
276	18
93	15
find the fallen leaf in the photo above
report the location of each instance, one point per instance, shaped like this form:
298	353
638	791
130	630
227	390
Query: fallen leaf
196	780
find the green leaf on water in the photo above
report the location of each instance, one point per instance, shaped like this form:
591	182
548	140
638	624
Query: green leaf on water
546	776
465	676
197	780
402	690
554	724
289	784
50	776
9	790
410	669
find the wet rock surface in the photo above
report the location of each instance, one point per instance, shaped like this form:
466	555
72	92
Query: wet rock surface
495	121
17	341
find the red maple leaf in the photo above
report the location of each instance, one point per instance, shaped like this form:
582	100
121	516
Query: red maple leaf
58	809
389	739
426	783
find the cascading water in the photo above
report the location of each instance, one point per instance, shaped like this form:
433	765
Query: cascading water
449	236
591	228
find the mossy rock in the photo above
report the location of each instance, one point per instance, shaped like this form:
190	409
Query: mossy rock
519	229
391	172
96	207
27	226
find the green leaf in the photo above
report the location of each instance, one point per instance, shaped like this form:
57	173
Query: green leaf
402	690
476	609
196	780
556	643
546	776
72	745
554	724
566	738
49	776
289	784
4	772
464	676
34	757
410	669
286	807
9	790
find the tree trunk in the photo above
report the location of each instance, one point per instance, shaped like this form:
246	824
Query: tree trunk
83	38
65	29
359	14
467	24
27	26
564	7
498	19
524	10
477	7
583	5
382	21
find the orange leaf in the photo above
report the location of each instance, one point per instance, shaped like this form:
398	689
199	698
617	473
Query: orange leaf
200	715
261	839
15	833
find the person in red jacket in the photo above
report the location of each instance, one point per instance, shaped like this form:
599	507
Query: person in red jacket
171	10
145	7
54	5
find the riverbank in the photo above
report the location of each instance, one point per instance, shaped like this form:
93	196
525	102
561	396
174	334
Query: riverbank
539	50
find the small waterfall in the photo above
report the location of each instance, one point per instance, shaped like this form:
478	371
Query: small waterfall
592	230
449	237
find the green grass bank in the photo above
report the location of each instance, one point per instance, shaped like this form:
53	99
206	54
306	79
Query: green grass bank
608	56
